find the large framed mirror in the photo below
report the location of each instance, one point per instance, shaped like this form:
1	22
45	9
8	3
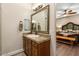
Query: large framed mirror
40	20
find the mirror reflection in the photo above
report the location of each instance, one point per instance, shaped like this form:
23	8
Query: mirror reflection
40	20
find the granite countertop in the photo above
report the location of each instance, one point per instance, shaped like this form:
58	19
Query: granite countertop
37	38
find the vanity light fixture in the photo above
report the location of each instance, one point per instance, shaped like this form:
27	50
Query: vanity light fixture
37	8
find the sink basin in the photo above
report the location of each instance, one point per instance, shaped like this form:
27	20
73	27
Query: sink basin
33	35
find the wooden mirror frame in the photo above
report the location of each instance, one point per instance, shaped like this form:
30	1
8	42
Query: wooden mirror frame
46	7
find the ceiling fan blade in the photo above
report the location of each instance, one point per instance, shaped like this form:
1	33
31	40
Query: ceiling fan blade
72	12
62	14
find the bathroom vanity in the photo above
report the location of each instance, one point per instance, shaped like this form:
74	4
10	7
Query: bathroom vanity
36	45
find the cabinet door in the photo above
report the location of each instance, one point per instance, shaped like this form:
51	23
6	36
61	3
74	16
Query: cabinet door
28	46
34	49
44	49
24	44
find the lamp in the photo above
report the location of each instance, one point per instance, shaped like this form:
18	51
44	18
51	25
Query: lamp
59	28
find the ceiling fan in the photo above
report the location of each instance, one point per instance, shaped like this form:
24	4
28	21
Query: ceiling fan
69	12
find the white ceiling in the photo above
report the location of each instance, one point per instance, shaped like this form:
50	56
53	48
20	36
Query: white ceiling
60	7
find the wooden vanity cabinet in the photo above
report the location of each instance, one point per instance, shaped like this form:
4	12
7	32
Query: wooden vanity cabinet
32	48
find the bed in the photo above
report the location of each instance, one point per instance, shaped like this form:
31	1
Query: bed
69	34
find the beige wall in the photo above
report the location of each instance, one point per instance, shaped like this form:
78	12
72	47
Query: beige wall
11	15
65	20
0	29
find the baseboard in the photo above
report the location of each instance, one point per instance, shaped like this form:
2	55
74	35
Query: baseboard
13	53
